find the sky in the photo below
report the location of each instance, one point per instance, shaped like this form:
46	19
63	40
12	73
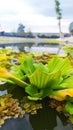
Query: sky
36	15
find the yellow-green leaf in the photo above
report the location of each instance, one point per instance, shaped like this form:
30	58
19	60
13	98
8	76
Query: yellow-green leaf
41	79
61	94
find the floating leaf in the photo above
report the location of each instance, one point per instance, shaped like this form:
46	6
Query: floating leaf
31	90
69	108
40	79
66	83
63	65
34	98
5	74
61	94
28	65
35	93
3	57
17	71
41	67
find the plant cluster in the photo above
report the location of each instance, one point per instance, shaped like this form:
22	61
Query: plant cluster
9	108
53	79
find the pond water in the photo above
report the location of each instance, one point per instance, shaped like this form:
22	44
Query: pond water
48	49
46	118
49	119
40	49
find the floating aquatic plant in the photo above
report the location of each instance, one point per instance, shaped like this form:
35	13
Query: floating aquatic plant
53	79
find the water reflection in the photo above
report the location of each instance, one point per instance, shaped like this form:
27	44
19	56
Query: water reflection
49	119
45	119
3	92
17	124
60	125
48	49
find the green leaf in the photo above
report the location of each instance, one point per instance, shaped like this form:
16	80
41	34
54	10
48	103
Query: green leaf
8	76
35	93
41	79
17	71
34	98
28	65
63	65
31	90
18	81
69	108
41	67
61	94
66	83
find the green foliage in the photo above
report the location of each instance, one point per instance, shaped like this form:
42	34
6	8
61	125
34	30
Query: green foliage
67	83
40	80
59	17
58	64
28	65
71	28
16	71
20	29
58	10
69	108
69	51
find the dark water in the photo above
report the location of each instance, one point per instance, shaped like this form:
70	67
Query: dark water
45	119
49	119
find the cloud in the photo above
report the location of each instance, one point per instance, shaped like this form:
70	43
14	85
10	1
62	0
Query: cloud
17	6
37	22
38	15
44	7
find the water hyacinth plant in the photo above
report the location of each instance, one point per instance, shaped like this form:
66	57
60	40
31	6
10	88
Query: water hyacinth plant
55	79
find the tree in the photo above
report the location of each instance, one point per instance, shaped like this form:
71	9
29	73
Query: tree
59	15
20	29
71	28
30	34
